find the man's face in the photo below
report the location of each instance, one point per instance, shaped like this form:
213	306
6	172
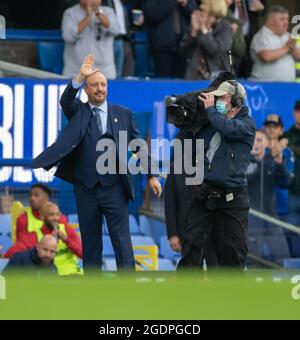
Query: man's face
52	216
46	252
38	198
226	99
229	2
297	117
280	23
96	88
260	143
273	131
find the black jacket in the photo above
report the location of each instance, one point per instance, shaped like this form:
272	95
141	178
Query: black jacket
28	260
176	198
160	20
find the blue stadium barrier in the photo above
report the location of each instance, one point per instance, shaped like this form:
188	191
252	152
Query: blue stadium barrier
33	35
291	263
5	225
5	244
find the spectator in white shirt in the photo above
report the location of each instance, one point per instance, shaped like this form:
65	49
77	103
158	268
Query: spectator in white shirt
89	27
274	49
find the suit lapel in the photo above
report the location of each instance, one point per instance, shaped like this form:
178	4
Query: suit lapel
113	116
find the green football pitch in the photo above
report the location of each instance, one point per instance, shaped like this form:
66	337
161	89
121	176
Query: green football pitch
157	296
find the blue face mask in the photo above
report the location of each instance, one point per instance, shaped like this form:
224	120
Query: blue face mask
221	107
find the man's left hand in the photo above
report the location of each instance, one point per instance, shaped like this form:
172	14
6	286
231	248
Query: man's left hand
155	186
207	99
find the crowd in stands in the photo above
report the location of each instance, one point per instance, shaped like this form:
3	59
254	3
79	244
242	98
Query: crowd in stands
187	38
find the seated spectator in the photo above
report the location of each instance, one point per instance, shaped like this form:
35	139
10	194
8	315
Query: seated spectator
279	148
274	49
167	21
239	46
207	42
293	135
39	195
39	258
69	246
88	26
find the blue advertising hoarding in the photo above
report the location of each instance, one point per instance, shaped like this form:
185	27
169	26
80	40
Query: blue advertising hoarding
31	118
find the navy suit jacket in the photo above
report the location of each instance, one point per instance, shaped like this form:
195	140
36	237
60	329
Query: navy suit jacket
62	152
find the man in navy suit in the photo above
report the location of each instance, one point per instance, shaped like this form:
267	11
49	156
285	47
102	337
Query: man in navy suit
75	154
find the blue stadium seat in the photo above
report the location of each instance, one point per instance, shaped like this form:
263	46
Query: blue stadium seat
145	227
144	64
109	265
5	225
165	265
107	247
104	226
73	218
51	56
5	244
142	241
3	264
166	251
291	263
134	228
295	245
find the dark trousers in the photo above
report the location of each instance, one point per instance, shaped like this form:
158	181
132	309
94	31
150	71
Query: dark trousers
213	222
113	203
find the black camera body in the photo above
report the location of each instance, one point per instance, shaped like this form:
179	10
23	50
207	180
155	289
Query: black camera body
186	111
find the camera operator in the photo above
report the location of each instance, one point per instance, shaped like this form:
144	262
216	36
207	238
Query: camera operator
222	199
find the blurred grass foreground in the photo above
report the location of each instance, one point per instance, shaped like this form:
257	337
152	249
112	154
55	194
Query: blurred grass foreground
152	296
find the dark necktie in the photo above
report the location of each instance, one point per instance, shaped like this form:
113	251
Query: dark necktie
98	119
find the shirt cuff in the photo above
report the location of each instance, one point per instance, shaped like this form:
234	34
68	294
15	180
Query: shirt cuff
76	85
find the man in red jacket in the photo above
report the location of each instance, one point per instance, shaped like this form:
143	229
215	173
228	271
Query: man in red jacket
69	244
39	195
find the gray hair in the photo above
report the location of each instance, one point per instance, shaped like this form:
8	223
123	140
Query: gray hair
277	9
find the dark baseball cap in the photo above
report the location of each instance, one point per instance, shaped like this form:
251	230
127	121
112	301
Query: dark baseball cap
274	119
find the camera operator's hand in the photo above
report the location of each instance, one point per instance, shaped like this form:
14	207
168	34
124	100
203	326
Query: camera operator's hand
175	243
207	99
